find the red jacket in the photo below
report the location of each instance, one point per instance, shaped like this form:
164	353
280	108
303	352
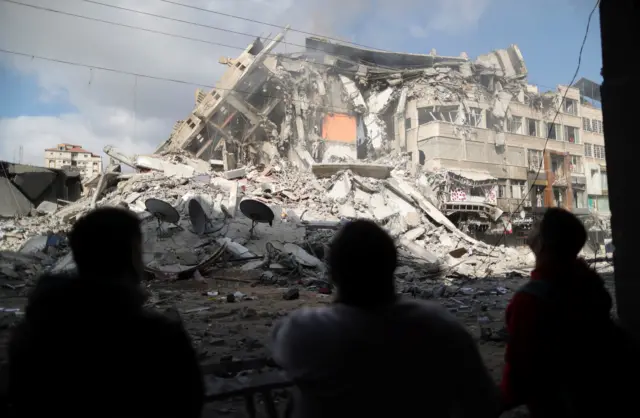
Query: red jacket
538	353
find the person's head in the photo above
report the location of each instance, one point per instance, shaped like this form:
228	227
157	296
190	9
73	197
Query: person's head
362	260
107	244
558	237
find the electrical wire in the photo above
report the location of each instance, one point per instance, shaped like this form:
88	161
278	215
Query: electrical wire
172	80
553	126
174	35
246	19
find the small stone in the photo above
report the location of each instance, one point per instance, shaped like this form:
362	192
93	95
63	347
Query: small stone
231	298
291	294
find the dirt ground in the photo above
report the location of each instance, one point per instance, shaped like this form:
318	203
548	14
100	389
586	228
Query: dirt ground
225	328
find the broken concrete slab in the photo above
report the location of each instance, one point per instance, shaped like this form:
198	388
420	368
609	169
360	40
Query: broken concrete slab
303	257
414	234
341	189
418	251
235	174
47	207
378	171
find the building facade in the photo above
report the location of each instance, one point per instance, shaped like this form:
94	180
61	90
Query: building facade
594	157
73	157
467	138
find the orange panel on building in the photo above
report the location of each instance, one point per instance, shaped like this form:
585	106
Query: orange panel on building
338	127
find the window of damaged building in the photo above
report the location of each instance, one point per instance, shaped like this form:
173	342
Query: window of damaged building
598	152
576	164
557	166
518	189
579	201
474	117
502	189
604	180
440	113
515	125
535	160
570	106
571	134
532	127
588	150
553	131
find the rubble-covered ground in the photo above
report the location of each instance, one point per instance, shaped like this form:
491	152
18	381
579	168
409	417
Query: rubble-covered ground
230	285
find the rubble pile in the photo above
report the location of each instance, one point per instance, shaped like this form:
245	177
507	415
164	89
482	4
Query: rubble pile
307	206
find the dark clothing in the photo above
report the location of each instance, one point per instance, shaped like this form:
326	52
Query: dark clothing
411	359
560	349
89	348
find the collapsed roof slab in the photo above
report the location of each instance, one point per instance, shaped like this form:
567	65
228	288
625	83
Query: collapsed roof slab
397	60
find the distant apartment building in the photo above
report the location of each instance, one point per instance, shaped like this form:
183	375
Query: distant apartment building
73	157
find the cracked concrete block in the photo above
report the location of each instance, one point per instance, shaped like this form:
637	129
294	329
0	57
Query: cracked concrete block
348	211
414	234
235	174
341	189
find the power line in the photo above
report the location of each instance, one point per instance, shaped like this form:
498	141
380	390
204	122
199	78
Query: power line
152	77
188	22
95	19
553	126
246	19
188	38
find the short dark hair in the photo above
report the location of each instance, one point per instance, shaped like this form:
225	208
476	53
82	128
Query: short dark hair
362	260
103	242
561	233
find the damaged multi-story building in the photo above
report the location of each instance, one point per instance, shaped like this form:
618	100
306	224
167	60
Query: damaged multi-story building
478	135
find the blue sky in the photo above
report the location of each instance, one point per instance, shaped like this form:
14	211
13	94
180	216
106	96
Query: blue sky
21	95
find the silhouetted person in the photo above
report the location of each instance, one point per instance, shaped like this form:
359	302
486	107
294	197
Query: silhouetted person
561	336
88	348
373	353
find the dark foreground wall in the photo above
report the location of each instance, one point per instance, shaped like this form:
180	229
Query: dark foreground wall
23	187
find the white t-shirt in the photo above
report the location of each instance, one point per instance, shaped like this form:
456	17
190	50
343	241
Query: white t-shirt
413	359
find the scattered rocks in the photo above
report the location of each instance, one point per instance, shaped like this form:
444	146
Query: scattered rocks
291	294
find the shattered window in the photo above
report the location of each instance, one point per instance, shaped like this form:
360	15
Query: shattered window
598	152
576	164
588	150
571	106
518	189
532	127
425	115
475	117
552	131
586	124
515	125
535	159
571	134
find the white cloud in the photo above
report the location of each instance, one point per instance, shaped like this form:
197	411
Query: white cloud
136	114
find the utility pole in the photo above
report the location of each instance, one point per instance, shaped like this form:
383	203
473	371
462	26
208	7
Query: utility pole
620	91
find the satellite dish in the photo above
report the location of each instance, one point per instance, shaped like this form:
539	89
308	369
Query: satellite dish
257	211
162	210
198	217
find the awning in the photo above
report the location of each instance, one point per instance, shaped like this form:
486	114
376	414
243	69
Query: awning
473	175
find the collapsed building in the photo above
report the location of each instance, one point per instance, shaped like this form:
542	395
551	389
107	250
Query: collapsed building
473	127
439	150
